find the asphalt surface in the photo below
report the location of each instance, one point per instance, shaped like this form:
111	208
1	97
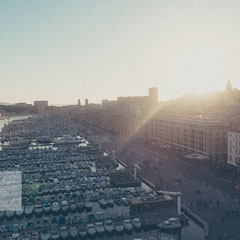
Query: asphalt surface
210	197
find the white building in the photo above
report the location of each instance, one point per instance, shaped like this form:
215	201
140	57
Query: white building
234	148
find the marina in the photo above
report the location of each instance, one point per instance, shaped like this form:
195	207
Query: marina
67	194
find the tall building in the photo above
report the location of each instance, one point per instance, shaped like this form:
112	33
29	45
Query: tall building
153	95
205	137
86	102
79	102
40	106
234	148
228	88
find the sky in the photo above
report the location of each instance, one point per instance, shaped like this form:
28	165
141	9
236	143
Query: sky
64	50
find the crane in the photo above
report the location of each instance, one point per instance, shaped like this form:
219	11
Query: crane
135	170
178	195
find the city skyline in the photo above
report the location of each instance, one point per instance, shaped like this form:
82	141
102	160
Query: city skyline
65	50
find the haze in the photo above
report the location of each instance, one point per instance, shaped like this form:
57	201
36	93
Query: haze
64	50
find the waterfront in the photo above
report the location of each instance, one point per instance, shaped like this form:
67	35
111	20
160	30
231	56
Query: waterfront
69	173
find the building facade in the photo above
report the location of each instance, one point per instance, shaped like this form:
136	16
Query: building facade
234	148
40	106
205	137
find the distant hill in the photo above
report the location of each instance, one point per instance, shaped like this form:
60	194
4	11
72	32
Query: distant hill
5	104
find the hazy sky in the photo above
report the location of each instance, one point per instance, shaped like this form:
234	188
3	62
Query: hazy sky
62	50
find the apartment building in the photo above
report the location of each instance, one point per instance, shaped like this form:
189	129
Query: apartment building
234	148
206	137
125	116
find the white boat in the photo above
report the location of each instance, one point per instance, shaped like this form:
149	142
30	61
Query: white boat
38	209
91	229
64	206
110	201
127	225
55	207
17	144
119	227
10	214
54	233
44	234
108	225
64	232
82	231
88	205
28	209
172	224
19	213
103	202
73	232
72	205
2	214
99	228
66	139
46	206
125	201
136	223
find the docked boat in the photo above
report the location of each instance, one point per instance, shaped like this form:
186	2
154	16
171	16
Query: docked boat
64	206
64	232
110	201
38	210
108	225
118	201
103	202
80	206
125	201
88	205
119	228
47	206
73	232
28	210
55	207
82	231
99	228
136	223
2	214
91	229
43	139
171	225
54	233
127	225
66	139
10	214
16	144
72	206
44	234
